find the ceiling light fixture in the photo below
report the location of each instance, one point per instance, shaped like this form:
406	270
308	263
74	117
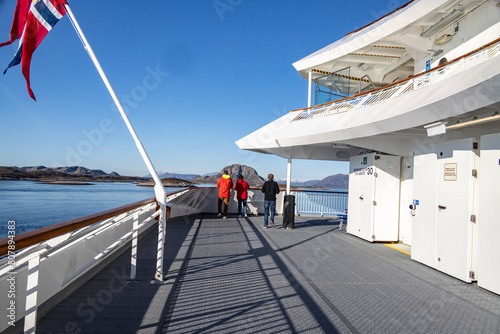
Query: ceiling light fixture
474	122
442	23
443	39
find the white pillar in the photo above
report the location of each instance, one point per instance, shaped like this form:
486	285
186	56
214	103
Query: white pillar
288	175
309	94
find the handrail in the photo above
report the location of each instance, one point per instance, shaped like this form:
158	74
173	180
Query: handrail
380	18
354	97
321	191
48	232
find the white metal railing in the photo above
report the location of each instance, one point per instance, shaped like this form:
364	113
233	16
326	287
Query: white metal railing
83	248
406	86
321	202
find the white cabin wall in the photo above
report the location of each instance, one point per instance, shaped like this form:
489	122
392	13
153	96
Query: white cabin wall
488	264
406	199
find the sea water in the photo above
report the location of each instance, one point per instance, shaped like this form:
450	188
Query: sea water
33	205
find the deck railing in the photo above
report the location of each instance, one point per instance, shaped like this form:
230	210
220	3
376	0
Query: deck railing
321	202
402	87
57	255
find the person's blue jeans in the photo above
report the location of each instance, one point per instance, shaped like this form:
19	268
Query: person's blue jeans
269	205
244	202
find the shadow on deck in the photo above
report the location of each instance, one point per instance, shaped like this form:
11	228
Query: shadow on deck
228	276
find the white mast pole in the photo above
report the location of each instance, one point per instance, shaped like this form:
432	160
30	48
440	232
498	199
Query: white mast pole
289	174
159	189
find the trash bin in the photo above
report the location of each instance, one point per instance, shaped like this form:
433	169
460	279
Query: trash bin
289	212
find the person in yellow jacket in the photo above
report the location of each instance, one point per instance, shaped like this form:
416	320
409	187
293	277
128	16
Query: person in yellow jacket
224	184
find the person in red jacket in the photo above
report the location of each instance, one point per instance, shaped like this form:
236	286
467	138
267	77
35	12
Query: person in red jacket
241	194
224	184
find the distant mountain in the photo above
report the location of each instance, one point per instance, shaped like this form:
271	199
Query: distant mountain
299	183
73	174
249	174
167	182
79	173
337	181
78	170
165	175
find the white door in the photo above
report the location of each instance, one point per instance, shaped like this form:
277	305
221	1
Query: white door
361	193
455	198
442	235
386	175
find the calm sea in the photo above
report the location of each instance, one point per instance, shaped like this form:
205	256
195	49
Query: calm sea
33	205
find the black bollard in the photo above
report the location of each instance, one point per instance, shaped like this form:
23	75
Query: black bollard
289	212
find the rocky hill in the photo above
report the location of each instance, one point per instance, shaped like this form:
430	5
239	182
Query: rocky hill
249	174
337	181
168	182
76	174
76	170
53	174
164	175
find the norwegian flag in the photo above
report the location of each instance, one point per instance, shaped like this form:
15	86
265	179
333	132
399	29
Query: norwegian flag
35	20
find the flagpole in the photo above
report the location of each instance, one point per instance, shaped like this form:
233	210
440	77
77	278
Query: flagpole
158	188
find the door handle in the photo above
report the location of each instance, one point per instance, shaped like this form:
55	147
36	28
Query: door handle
441	207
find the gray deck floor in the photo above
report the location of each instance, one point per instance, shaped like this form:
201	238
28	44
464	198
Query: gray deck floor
233	276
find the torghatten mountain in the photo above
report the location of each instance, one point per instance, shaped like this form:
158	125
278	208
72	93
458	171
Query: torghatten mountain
249	175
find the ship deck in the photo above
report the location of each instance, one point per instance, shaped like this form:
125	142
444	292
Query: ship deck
228	276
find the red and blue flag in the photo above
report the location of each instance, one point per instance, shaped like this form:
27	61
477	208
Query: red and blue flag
33	19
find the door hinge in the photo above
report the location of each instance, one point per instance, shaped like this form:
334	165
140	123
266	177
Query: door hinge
374	202
472	275
474	172
473	218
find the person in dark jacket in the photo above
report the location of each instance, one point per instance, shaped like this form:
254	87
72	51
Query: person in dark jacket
270	189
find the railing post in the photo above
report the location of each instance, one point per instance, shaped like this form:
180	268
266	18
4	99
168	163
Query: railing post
31	294
133	256
161	239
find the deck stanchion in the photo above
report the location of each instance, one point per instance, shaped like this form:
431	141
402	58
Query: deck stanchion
133	256
161	240
31	294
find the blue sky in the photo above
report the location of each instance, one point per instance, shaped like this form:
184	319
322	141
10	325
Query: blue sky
193	75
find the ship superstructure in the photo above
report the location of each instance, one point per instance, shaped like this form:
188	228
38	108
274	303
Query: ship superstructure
411	100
